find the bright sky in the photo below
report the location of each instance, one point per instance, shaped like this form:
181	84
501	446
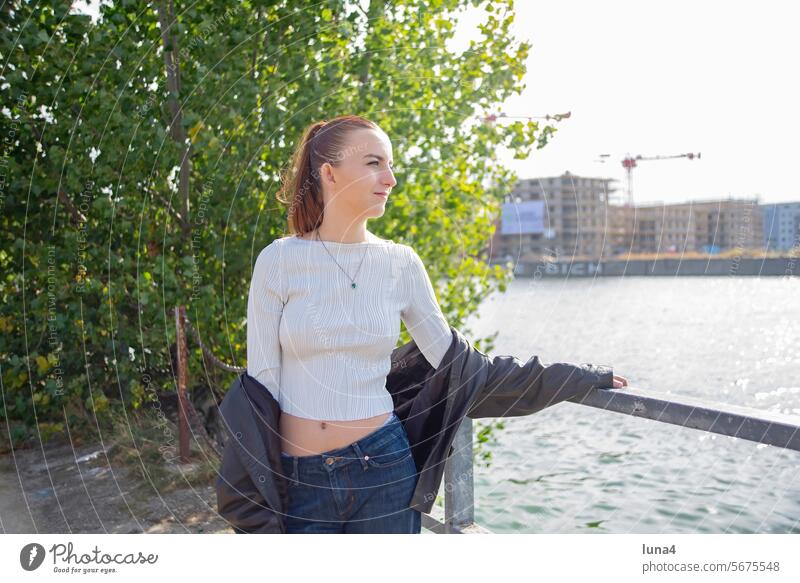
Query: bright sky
662	79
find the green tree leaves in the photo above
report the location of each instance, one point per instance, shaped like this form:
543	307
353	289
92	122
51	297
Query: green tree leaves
251	76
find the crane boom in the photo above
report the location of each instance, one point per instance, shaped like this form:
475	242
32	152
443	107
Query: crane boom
629	163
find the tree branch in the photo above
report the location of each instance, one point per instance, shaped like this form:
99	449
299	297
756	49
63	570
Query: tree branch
77	216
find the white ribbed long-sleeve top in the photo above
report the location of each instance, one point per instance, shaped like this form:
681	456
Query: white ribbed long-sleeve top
323	348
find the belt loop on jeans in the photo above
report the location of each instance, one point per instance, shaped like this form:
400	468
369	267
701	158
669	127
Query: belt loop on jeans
295	476
360	455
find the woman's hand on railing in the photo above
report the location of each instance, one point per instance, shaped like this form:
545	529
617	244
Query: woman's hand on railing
620	382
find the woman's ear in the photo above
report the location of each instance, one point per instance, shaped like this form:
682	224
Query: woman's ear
326	172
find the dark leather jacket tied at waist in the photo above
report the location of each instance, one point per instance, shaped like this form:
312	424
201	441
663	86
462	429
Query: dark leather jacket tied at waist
252	493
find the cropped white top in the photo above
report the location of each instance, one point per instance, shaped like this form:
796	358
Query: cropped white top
322	347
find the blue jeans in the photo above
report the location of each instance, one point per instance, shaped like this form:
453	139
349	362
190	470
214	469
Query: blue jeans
364	487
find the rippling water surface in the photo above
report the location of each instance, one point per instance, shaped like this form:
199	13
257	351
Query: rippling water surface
572	468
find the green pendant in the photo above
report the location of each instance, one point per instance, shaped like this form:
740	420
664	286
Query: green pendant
353	285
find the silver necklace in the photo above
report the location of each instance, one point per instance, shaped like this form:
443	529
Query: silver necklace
352	279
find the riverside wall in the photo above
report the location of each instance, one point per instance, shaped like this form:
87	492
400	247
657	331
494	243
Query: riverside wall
776	267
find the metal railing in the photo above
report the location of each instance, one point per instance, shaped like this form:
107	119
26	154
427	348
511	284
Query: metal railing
754	425
187	414
458	515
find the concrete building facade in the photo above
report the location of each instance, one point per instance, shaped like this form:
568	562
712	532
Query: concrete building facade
707	226
572	217
781	226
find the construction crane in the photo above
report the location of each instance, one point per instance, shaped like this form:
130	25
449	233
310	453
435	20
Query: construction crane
493	117
629	163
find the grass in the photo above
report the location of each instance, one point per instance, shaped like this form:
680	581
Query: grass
146	442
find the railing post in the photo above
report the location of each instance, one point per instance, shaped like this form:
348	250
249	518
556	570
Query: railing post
183	419
459	492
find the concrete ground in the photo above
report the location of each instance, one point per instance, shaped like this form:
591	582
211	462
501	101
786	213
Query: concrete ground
52	488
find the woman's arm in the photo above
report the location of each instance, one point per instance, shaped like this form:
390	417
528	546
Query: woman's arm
514	388
422	316
264	310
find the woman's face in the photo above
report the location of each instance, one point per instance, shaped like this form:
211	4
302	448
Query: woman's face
364	171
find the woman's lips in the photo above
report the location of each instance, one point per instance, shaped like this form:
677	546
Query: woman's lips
382	194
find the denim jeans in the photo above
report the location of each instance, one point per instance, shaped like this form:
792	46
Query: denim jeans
364	487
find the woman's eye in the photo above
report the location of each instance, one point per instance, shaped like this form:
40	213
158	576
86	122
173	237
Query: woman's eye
376	163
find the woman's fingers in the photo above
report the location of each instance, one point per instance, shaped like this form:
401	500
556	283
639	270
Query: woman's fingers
620	382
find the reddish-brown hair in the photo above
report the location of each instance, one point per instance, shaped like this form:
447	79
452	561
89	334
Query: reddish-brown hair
301	189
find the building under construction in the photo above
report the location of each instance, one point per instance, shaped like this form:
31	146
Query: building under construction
572	217
556	217
707	226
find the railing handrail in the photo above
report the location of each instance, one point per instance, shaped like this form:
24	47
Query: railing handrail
760	426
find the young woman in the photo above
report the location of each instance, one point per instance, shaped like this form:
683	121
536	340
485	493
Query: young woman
323	317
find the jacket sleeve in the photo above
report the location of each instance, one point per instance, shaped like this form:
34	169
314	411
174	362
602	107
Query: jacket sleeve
514	389
238	500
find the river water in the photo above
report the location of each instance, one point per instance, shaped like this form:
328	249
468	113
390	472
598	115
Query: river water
572	469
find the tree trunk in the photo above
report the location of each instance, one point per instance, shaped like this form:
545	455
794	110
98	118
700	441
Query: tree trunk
166	17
